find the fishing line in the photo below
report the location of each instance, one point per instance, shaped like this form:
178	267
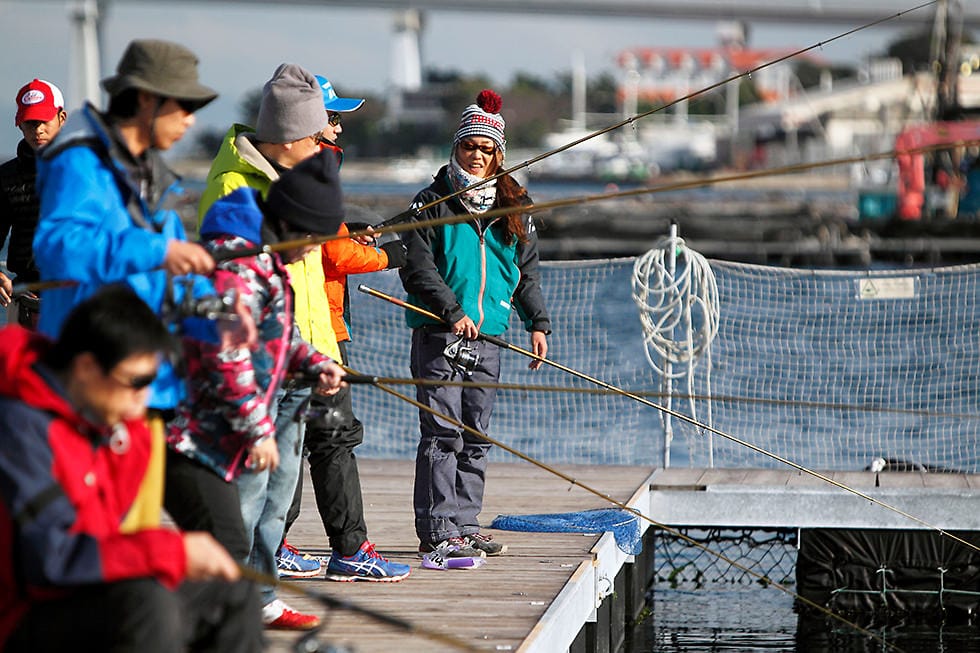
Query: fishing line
629	121
764	580
333	602
735	399
391	225
699	425
393	228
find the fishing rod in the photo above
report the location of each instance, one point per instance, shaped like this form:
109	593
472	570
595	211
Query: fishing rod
333	602
633	119
390	225
530	387
667	411
401	227
764	580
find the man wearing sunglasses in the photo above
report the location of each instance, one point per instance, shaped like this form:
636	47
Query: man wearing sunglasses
331	441
85	562
109	202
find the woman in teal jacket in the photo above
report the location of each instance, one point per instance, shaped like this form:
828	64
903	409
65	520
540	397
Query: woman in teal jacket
470	274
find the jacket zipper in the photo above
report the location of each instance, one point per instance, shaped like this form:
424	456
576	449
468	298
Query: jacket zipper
483	269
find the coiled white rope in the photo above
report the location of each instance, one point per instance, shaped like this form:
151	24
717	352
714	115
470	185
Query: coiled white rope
676	293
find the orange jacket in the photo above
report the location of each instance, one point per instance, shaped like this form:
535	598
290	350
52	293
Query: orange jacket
340	258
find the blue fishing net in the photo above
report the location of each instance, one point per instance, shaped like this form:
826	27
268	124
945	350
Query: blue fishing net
624	525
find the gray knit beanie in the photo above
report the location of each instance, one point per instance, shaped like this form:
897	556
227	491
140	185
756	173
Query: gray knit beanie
292	106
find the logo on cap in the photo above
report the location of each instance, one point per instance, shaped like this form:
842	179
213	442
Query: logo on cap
33	96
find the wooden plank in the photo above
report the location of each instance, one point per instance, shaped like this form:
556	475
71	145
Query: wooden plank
721	476
862	481
769	477
802	479
946	481
510	593
677	478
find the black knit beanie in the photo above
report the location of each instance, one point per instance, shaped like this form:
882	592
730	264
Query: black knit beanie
307	198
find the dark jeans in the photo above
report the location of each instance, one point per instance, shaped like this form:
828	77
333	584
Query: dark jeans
333	470
450	464
200	500
142	615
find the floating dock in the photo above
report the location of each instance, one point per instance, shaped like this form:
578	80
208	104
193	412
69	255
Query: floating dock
556	592
549	592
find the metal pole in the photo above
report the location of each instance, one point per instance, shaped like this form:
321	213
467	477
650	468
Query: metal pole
84	15
668	368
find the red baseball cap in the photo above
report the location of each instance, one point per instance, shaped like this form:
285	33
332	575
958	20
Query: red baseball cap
39	100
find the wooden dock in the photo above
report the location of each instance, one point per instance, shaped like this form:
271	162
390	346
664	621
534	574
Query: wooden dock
537	597
555	592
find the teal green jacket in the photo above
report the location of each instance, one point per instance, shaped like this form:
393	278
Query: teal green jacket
469	269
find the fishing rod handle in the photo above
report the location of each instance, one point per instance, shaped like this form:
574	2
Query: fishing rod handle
355	379
494	340
404	216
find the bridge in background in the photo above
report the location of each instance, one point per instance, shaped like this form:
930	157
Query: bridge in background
850	12
86	17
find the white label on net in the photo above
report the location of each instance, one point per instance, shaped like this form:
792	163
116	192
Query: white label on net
887	288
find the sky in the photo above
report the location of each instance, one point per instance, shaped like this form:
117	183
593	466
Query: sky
241	45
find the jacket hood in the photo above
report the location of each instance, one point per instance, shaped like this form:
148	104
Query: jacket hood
20	350
239	154
235	214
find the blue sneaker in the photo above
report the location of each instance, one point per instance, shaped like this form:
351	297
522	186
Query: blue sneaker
293	564
367	564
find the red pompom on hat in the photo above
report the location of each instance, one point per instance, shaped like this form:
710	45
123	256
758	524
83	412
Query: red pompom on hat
483	119
489	101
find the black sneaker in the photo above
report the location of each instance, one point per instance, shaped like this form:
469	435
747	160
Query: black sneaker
485	544
454	547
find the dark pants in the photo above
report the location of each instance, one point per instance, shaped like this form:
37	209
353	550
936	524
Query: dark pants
450	464
200	500
333	471
142	615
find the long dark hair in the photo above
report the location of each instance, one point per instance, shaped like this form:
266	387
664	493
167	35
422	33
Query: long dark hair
510	193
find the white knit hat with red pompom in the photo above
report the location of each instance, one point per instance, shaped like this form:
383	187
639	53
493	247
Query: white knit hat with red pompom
483	119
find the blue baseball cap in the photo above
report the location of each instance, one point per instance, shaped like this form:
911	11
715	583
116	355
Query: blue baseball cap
333	103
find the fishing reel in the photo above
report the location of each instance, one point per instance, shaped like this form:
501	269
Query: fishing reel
325	417
310	643
210	307
462	356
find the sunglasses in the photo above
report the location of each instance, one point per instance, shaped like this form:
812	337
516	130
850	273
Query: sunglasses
190	106
333	118
138	382
469	146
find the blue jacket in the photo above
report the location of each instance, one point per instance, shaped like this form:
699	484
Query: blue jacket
107	218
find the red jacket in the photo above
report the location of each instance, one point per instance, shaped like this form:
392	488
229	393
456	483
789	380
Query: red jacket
340	258
68	500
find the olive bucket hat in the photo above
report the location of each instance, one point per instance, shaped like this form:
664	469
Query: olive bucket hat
161	67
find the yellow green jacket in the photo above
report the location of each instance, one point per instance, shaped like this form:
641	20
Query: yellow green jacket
239	163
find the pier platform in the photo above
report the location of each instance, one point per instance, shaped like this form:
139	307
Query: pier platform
545	594
557	592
